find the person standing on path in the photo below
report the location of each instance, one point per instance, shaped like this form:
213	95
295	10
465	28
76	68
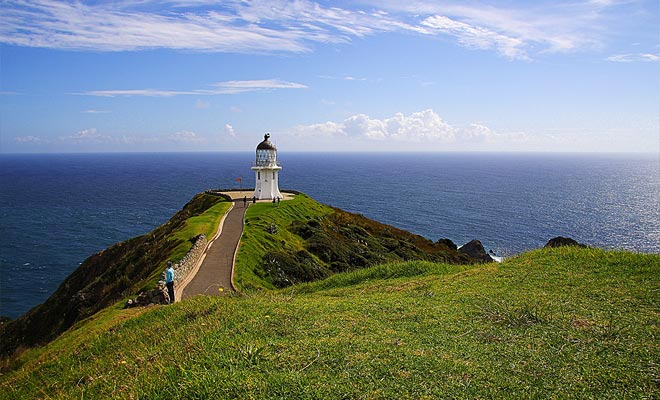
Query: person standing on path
169	281
244	201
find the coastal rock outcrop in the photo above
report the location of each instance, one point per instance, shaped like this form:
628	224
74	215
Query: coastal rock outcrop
475	250
448	242
563	241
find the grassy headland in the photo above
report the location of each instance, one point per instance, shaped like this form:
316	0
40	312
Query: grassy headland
552	323
302	240
109	276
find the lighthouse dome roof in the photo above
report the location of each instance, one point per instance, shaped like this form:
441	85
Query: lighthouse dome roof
266	144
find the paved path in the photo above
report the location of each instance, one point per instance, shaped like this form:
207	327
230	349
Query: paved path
216	268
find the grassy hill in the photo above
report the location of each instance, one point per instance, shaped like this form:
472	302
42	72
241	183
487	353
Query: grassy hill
552	323
298	241
302	240
113	274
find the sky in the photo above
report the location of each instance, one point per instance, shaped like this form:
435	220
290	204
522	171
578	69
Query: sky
368	75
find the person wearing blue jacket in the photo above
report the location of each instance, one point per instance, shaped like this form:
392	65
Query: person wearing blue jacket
169	280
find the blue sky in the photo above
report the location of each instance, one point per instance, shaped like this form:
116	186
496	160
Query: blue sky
198	75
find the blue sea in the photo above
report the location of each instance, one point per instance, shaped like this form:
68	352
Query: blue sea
58	209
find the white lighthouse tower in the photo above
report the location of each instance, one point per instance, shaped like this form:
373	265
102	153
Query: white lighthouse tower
265	170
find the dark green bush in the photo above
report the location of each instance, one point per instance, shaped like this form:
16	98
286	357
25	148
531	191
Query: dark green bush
285	269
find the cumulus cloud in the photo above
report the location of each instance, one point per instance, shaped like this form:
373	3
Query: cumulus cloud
418	127
424	125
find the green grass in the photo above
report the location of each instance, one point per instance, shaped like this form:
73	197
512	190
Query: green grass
257	240
113	274
206	223
302	241
552	323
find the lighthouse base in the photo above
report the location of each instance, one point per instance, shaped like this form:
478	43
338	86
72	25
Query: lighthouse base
266	183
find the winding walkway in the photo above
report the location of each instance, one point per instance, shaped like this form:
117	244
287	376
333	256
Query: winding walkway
214	276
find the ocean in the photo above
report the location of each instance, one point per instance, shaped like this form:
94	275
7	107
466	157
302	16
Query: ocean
58	209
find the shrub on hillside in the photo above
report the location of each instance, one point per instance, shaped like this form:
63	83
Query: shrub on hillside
284	269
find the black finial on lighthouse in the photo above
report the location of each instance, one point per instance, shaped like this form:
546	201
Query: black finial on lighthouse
266	144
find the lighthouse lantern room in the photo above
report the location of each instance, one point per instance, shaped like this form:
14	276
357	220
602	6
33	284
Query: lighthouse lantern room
265	170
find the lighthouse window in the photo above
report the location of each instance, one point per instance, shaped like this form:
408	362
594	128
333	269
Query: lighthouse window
258	174
273	175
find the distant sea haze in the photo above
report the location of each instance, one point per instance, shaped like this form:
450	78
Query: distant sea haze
58	209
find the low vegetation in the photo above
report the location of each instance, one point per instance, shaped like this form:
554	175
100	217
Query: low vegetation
303	241
349	316
111	275
553	323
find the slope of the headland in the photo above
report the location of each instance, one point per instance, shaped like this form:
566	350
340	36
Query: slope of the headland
302	240
553	323
297	240
113	274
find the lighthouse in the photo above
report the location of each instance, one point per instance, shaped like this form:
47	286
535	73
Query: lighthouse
265	170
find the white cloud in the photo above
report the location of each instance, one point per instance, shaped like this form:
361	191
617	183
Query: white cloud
265	26
478	133
220	88
90	135
137	92
86	133
229	130
91	138
634	57
185	137
231	26
123	26
418	127
361	125
344	78
522	29
234	87
327	129
31	140
95	112
475	36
